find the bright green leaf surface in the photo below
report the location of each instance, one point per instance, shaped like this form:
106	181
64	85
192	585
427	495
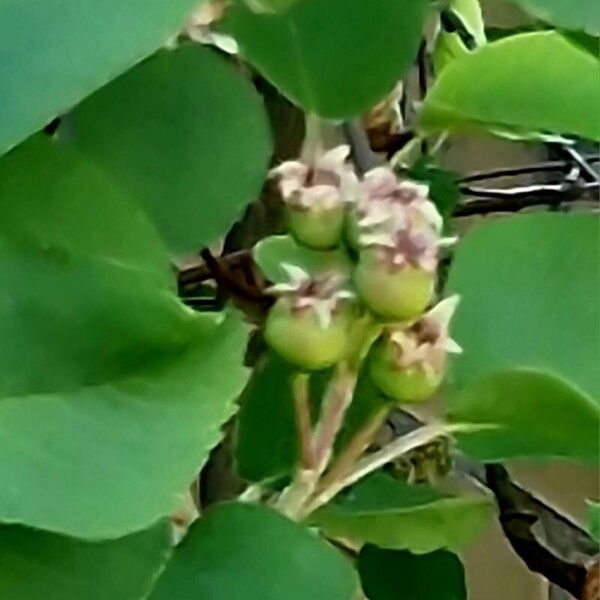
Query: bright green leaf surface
392	574
449	46
85	278
389	513
190	142
594	520
531	81
111	391
535	414
113	457
276	250
335	58
241	551
53	53
582	14
266	445
537	318
38	565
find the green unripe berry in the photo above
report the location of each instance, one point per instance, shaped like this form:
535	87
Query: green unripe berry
320	229
395	293
299	337
409	384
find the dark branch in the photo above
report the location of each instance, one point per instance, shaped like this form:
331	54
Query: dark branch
543	167
563	537
517	524
515	199
583	162
364	158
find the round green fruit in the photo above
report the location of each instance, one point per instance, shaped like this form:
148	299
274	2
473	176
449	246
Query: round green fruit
402	384
390	292
297	335
318	229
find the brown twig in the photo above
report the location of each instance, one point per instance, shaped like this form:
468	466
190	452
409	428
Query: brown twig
303	420
517	525
335	404
361	440
542	167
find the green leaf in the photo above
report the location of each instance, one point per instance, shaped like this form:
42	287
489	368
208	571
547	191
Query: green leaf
238	550
276	250
389	513
443	184
584	14
111	391
113	457
594	520
53	53
266	445
388	574
266	441
190	141
37	564
334	58
85	278
449	45
529	335
513	84
535	414
589	43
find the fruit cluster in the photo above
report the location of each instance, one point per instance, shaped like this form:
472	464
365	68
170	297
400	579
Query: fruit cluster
392	233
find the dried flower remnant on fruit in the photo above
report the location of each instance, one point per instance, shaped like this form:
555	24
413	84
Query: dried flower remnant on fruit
322	293
398	220
426	343
326	183
316	196
309	325
408	363
198	27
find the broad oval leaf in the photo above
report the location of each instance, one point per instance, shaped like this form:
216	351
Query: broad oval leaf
85	278
534	413
38	564
529	335
530	81
112	392
391	514
277	250
392	574
266	440
113	457
190	141
53	53
335	58
584	14
237	548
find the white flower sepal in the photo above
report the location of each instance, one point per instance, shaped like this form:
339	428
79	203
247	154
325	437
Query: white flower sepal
426	341
320	293
199	30
327	182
